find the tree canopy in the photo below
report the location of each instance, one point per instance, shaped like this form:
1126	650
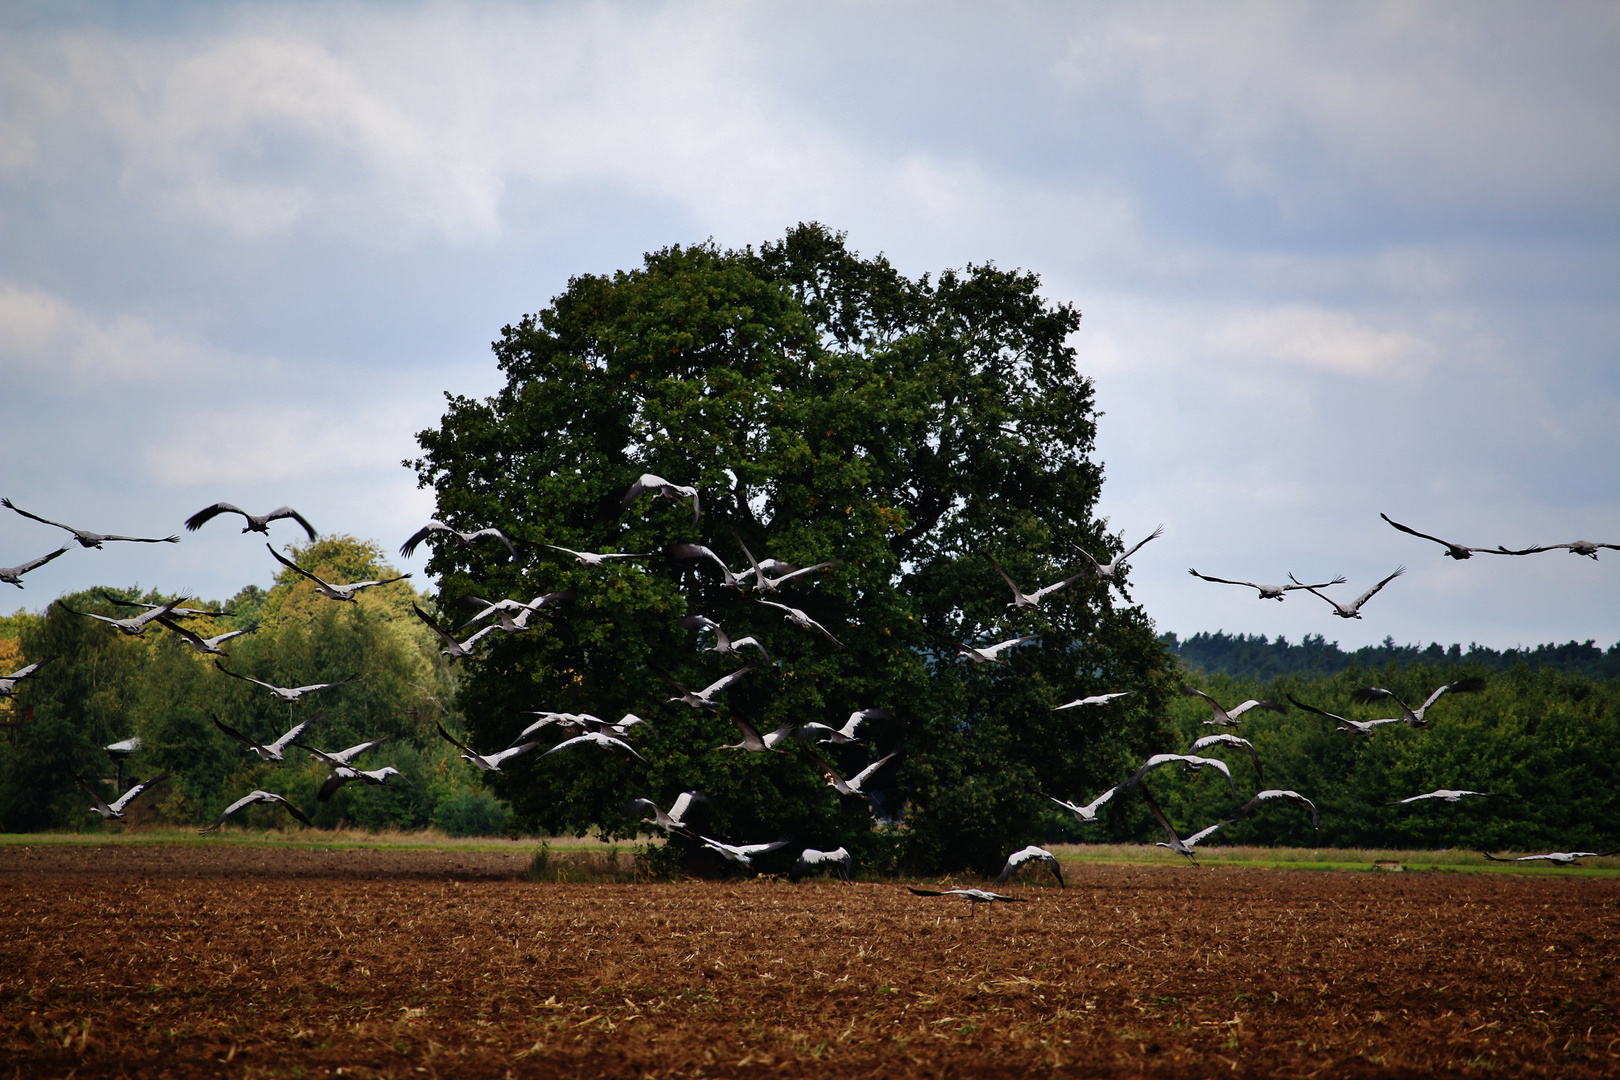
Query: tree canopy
828	409
102	687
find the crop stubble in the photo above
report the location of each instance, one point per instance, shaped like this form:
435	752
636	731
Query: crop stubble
187	961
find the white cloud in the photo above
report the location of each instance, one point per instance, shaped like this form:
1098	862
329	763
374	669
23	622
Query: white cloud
393	125
1323	340
1430	102
44	335
285	442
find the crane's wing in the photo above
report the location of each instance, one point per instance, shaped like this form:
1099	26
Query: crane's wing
1461	686
408	548
244	678
1158	815
297	730
698	551
445	635
1313	709
644	483
35	564
924	892
269	796
204	516
135	789
1369	694
192	639
497	534
1340	580
356	586
563	745
1041	594
750	734
8	504
144	539
87	614
288	512
346	757
1193	691
233	733
785	578
834	777
1221	580
1219	766
28	669
1413	532
684	802
1270	706
1270	795
312	687
1097	803
214	642
1095	565
1205	834
246	800
479	636
101	804
510	752
862	776
1150	764
1017	592
1334	604
1154	535
289	564
1370	593
724	683
960	647
759	575
334	780
756	643
992	650
452	740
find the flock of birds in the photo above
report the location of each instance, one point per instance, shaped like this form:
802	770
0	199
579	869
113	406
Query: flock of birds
760	579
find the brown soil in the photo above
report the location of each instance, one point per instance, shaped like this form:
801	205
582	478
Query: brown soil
203	961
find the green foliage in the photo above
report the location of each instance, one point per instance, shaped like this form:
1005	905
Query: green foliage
1544	741
1257	657
104	687
471	813
827	408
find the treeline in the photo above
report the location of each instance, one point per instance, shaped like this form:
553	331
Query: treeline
1258	657
1544	742
103	687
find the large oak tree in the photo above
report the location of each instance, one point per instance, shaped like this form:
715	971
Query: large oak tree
828	408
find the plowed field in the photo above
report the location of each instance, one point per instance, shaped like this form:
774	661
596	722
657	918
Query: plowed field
197	961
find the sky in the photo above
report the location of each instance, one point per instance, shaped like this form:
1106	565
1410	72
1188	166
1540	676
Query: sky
1333	260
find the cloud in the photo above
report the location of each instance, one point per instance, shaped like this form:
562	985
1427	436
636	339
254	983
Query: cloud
1511	107
269	121
1323	340
283	442
44	335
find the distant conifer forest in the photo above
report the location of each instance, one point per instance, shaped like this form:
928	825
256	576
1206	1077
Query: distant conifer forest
1255	656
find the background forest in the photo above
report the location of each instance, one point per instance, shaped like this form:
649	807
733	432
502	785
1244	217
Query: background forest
1539	735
